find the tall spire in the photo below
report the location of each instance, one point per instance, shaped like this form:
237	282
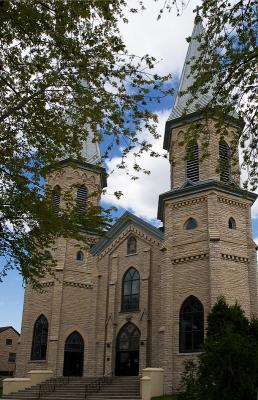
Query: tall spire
187	78
90	150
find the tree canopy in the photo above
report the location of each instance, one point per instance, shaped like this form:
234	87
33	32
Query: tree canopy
228	366
65	71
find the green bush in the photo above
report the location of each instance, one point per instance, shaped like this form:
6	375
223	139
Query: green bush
227	369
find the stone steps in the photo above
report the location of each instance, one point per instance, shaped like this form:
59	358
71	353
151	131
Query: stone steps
121	388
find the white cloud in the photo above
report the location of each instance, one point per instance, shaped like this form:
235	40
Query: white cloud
140	196
163	39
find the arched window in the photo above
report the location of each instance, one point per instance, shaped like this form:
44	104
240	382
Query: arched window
224	161
131	290
79	256
231	223
191	223
39	342
81	200
56	196
131	245
191	325
192	162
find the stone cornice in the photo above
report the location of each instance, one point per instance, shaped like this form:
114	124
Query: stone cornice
234	258
47	284
78	284
190	258
232	202
188	202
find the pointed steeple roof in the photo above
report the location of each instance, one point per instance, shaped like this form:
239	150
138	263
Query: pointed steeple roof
187	78
90	150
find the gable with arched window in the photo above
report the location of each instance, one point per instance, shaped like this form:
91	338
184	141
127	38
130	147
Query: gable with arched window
192	162
56	197
39	342
131	245
191	325
224	161
81	200
131	290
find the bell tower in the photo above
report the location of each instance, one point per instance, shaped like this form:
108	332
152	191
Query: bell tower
208	249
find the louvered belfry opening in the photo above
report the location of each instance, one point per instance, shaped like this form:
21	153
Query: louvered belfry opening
56	196
192	162
224	161
81	199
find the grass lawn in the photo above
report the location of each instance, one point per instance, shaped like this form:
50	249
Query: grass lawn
167	397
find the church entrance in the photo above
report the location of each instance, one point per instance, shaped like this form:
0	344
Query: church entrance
127	350
73	355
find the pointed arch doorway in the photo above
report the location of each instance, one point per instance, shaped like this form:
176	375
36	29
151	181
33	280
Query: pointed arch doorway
73	355
127	350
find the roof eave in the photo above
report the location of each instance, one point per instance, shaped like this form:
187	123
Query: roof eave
190	118
201	187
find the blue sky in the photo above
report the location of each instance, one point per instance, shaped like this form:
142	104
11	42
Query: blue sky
165	39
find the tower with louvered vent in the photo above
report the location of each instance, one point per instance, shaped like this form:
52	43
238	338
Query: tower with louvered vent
208	249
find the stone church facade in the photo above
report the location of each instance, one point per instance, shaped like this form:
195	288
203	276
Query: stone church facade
141	296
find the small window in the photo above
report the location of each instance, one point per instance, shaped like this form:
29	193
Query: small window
231	223
81	200
131	245
79	256
191	223
8	342
12	357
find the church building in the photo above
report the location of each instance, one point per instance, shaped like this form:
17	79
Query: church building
140	296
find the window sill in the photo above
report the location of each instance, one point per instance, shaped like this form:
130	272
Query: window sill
129	311
193	353
37	361
130	255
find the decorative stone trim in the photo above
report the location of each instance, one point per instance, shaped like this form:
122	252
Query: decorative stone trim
131	229
231	202
232	257
78	284
190	258
188	202
47	284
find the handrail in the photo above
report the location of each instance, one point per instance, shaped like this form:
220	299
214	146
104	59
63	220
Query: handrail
95	385
50	386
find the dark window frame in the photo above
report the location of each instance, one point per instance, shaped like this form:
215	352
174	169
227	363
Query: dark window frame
12	358
191	325
79	256
9	342
231	223
190	224
130	301
40	339
131	245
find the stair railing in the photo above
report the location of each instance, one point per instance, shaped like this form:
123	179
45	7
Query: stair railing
51	385
95	386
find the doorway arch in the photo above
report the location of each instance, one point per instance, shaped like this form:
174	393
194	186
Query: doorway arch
73	355
127	350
